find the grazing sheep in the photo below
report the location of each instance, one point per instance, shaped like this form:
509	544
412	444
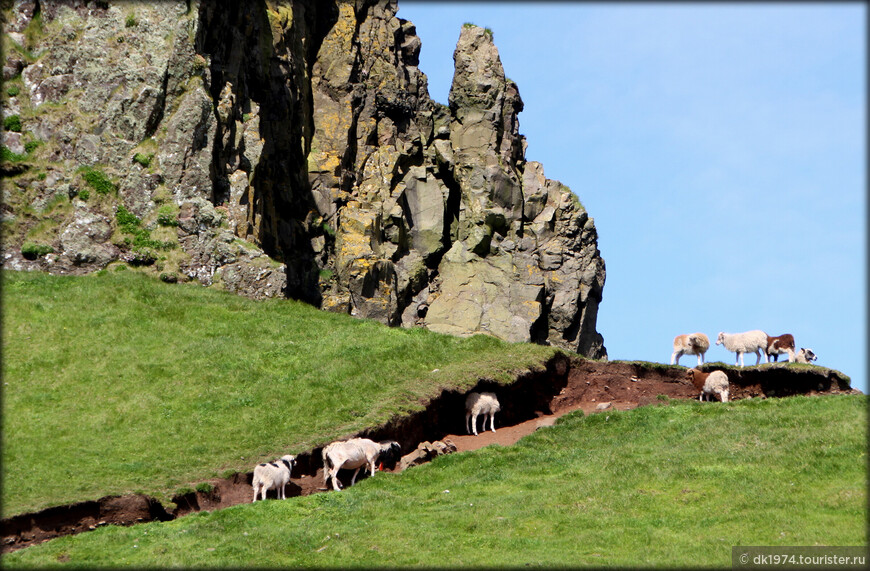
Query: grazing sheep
749	342
805	356
776	346
477	404
713	383
356	453
691	344
273	476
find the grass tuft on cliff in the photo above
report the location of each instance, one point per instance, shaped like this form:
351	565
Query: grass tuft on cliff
116	383
667	486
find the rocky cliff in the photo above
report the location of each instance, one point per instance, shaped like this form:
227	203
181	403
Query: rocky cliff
289	148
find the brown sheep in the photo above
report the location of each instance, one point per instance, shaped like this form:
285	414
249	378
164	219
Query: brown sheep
776	346
713	383
690	344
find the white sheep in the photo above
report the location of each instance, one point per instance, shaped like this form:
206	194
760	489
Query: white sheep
805	356
355	453
273	476
690	344
776	346
713	383
477	404
749	342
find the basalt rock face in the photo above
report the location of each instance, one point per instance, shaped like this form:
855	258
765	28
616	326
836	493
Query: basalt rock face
297	150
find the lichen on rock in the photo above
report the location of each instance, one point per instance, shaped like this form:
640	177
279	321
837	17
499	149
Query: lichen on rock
298	143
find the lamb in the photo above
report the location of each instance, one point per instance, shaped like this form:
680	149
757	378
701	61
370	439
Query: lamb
273	476
713	383
779	345
691	344
477	404
805	356
356	453
749	342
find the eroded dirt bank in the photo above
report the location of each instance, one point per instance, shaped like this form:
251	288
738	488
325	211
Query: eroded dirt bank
535	399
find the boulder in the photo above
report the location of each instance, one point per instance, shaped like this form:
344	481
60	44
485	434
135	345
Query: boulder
85	240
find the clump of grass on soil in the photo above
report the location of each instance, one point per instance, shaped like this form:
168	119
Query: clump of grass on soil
97	180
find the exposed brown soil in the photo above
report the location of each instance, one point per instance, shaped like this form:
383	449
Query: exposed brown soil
534	400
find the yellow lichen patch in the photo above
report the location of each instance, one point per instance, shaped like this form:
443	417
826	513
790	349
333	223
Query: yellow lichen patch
332	122
324	163
280	19
337	51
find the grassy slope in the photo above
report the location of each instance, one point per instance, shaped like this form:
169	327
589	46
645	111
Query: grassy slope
674	485
116	383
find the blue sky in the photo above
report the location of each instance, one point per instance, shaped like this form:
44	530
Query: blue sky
720	148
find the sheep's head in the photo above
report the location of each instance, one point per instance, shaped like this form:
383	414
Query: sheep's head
720	339
390	453
723	395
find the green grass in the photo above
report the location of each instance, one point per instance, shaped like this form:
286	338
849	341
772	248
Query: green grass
12	123
31	251
139	238
143	159
673	486
97	180
7	156
115	383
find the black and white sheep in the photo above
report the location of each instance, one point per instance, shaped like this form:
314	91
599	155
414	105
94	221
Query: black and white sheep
273	476
749	342
690	344
713	383
477	404
356	453
805	356
776	346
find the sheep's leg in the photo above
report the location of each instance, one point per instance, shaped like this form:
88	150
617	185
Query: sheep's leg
739	359
757	357
675	358
468	422
255	494
281	495
791	356
700	359
474	423
353	480
492	421
333	473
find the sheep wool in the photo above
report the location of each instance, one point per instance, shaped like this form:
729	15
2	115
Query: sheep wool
355	453
477	404
690	344
749	342
805	356
716	384
272	476
776	346
710	384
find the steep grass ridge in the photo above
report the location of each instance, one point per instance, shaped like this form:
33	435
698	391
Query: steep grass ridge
673	485
115	383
